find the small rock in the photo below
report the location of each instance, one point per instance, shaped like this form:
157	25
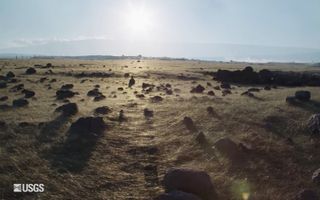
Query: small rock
147	112
10	74
122	117
228	148
63	94
19	102
94	93
225	92
188	122
267	88
99	98
68	109
67	87
247	93
156	99
198	89
211	93
131	82
28	93
31	70
102	110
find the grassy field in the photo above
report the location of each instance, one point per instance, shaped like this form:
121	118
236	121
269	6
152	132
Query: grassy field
281	155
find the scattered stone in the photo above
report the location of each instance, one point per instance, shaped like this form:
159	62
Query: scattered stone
140	96
177	195
31	70
131	82
307	194
28	93
210	110
198	89
156	99
190	181
94	93
67	87
147	112
201	139
102	110
10	74
63	94
314	124
4	98
122	117
126	75
303	95
188	122
19	102
68	109
120	88
211	93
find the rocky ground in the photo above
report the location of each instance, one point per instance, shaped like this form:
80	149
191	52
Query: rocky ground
128	129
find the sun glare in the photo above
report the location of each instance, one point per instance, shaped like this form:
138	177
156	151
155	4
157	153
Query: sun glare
139	20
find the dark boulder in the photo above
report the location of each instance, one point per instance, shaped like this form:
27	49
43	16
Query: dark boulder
99	98
66	87
68	109
188	122
190	181
31	70
303	95
94	93
102	110
198	89
17	87
147	112
19	102
10	74
63	94
156	99
28	93
87	128
211	93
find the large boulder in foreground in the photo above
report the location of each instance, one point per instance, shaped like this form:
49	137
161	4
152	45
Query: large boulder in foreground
177	195
87	128
190	181
314	124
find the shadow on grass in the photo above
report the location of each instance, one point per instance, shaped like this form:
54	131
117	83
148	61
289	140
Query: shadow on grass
311	106
51	129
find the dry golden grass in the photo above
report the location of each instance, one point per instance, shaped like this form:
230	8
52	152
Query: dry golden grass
115	166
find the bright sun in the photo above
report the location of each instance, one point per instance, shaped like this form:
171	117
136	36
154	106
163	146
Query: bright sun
139	20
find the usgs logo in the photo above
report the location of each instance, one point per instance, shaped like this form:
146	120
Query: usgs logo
28	187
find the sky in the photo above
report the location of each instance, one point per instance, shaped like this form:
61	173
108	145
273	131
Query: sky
251	29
